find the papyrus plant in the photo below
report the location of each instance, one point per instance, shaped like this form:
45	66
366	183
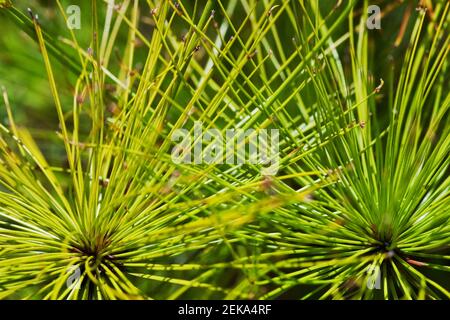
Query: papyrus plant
357	209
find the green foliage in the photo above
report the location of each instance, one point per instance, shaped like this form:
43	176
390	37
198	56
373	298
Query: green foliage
362	193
